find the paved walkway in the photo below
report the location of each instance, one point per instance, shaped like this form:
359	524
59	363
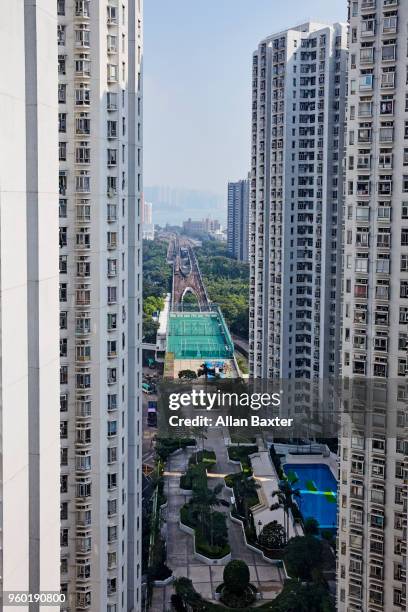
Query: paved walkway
266	577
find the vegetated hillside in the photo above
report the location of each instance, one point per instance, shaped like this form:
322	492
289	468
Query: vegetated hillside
227	283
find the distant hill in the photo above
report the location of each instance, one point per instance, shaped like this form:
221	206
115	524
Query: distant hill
175	205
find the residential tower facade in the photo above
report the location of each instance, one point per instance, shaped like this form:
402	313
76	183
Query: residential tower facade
100	186
29	365
238	219
296	200
374	467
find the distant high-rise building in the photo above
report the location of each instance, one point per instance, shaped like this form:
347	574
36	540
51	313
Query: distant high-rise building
100	183
373	521
29	350
296	200
238	219
148	226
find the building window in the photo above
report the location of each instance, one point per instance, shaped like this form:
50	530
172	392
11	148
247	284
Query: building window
62	151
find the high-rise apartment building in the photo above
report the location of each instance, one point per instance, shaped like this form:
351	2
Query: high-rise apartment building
100	185
29	365
148	225
374	468
296	200
238	219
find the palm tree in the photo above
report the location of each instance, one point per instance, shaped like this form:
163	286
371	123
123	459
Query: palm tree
206	499
245	488
285	495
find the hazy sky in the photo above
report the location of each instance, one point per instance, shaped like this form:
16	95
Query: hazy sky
197	83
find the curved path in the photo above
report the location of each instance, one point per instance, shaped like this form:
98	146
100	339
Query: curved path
266	577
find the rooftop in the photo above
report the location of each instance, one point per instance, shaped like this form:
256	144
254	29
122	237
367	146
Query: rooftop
199	335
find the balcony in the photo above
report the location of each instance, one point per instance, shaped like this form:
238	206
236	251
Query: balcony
112	15
367	55
366	82
385	188
367	4
367	27
364	136
82	9
386	134
390	25
365	109
83	409
387	107
388	80
83	601
363	188
83	545
389	53
112	73
364	162
111	101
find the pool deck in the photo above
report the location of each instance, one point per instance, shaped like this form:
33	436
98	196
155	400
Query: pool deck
266	476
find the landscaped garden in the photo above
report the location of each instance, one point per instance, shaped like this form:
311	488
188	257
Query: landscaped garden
244	488
305	591
166	446
209	525
241	454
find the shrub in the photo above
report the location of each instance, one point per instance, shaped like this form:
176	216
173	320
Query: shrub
273	536
241	453
187	374
203	456
303	555
196	475
236	577
188	595
177	603
213	552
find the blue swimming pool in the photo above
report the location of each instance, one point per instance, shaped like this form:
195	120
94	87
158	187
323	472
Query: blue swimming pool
318	489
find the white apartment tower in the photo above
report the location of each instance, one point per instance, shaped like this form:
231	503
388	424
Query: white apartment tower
100	184
374	469
29	364
296	199
238	219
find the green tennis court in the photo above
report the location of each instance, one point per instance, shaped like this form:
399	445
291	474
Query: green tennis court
196	335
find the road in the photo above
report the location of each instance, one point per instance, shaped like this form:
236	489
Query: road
186	274
149	433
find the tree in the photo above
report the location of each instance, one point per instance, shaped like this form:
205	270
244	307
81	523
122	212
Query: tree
206	499
303	557
298	597
236	577
311	526
187	374
245	491
185	590
150	328
285	495
273	536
